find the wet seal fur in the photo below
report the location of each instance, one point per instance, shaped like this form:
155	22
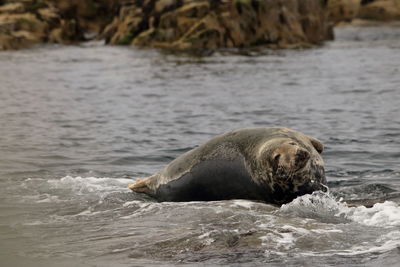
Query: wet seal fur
274	165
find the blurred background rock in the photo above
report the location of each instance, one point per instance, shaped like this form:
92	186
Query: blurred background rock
184	24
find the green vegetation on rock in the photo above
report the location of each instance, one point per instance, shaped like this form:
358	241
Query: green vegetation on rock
126	39
36	4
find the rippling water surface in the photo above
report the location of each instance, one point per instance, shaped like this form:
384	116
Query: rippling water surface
77	124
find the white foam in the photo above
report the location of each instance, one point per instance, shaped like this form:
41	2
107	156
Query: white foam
86	212
323	231
321	208
47	198
279	240
385	214
299	230
382	244
120	250
33	223
391	242
90	184
318	205
206	239
132	203
205	235
142	209
242	203
322	205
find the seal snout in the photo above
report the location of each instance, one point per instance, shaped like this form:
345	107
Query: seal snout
317	186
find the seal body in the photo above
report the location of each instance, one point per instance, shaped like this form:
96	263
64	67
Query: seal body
274	165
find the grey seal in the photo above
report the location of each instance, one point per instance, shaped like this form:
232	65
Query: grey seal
274	165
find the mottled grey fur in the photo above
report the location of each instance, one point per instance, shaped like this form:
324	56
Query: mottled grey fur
274	165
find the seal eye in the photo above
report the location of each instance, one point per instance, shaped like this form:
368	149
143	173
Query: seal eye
292	143
277	157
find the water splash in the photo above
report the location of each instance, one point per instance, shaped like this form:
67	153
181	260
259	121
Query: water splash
326	208
318	205
386	214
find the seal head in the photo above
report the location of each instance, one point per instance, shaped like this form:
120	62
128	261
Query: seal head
291	168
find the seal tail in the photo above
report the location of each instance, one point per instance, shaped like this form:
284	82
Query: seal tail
140	185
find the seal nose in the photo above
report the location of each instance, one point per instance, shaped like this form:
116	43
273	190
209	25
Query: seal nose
302	156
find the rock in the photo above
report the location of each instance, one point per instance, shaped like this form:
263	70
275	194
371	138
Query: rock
90	16
67	32
20	30
129	23
383	10
17	40
48	14
12	8
184	24
172	24
378	10
28	22
343	10
206	24
163	5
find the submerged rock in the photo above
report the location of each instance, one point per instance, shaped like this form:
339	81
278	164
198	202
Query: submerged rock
206	24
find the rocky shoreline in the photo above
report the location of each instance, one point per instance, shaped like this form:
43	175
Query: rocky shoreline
183	24
373	10
205	24
24	23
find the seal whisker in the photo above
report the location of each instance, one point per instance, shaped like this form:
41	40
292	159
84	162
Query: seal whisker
325	187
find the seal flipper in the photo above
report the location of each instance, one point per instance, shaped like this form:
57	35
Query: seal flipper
140	185
316	144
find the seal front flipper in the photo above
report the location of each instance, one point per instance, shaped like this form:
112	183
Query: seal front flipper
140	185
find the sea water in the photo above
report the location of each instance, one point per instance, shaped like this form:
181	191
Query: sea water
79	123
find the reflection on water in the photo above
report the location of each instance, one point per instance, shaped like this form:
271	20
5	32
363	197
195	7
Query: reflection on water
77	123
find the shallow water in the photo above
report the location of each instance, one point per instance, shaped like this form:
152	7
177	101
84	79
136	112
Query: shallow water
79	123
